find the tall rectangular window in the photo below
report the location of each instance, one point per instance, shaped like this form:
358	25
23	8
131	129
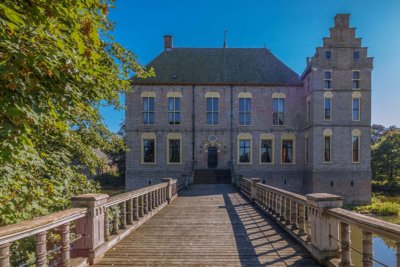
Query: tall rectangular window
327	149
244	111
148	110
327	108
356	54
148	151
278	109
266	151
174	151
356	149
287	151
212	111
306	150
174	110
327	79
356	79
244	151
356	109
308	112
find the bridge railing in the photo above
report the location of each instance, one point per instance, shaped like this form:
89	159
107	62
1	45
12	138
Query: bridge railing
99	222
318	222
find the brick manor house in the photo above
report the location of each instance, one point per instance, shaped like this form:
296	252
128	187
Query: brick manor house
244	107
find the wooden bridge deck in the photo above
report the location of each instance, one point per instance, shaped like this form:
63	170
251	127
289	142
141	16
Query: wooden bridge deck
209	225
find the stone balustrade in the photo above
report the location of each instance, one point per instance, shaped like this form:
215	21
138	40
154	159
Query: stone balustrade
99	222
318	222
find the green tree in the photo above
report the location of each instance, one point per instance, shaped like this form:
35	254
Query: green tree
386	157
58	64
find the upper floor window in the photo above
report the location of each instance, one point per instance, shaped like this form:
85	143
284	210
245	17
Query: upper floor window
174	149
328	145
327	108
328	54
266	148
356	145
148	110
244	148
328	79
212	111
306	149
356	109
244	110
308	111
278	109
174	110
356	54
356	79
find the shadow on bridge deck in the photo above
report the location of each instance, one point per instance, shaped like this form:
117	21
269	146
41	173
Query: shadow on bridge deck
209	225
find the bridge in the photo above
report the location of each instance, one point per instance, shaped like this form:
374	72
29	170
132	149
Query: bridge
245	223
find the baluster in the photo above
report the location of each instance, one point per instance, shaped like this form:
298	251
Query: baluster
288	212
130	212
5	255
123	214
41	250
271	201
345	259
367	249
308	223
283	208
398	253
136	206
65	246
154	199
158	197
278	206
146	204
106	225
115	223
149	202
293	215
301	223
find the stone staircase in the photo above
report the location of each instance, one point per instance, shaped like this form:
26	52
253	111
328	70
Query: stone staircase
212	176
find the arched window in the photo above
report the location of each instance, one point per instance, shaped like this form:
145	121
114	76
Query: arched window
355	139
328	106
356	106
328	145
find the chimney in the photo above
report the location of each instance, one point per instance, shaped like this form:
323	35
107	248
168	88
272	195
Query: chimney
167	42
342	21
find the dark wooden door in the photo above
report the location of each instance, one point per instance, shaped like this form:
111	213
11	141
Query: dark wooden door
212	157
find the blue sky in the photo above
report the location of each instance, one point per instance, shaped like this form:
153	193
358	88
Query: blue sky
291	29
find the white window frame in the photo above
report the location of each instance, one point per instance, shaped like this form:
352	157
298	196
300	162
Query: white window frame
328	80
355	80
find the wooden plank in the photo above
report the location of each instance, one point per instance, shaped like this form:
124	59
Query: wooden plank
209	225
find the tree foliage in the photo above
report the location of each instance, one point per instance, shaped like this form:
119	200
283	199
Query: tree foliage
58	64
386	157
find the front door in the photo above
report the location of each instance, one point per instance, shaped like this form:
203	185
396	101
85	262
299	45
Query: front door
212	157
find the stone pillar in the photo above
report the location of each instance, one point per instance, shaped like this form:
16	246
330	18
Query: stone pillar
92	227
106	225
65	246
5	255
136	207
145	204
324	226
293	215
345	259
41	250
253	188
130	211
367	249
288	214
302	219
168	189
122	206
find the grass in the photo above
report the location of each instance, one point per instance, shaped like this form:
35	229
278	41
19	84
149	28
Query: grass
380	206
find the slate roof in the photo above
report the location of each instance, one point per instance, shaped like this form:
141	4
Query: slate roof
240	66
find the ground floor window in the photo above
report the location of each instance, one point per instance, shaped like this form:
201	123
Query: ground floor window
266	151
356	148
287	151
174	151
148	151
244	151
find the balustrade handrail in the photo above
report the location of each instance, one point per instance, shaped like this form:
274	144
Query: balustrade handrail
373	225
297	197
111	201
31	227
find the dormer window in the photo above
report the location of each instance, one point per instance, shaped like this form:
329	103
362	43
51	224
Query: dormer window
328	54
356	54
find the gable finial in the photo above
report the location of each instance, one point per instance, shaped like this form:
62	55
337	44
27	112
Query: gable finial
225	38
